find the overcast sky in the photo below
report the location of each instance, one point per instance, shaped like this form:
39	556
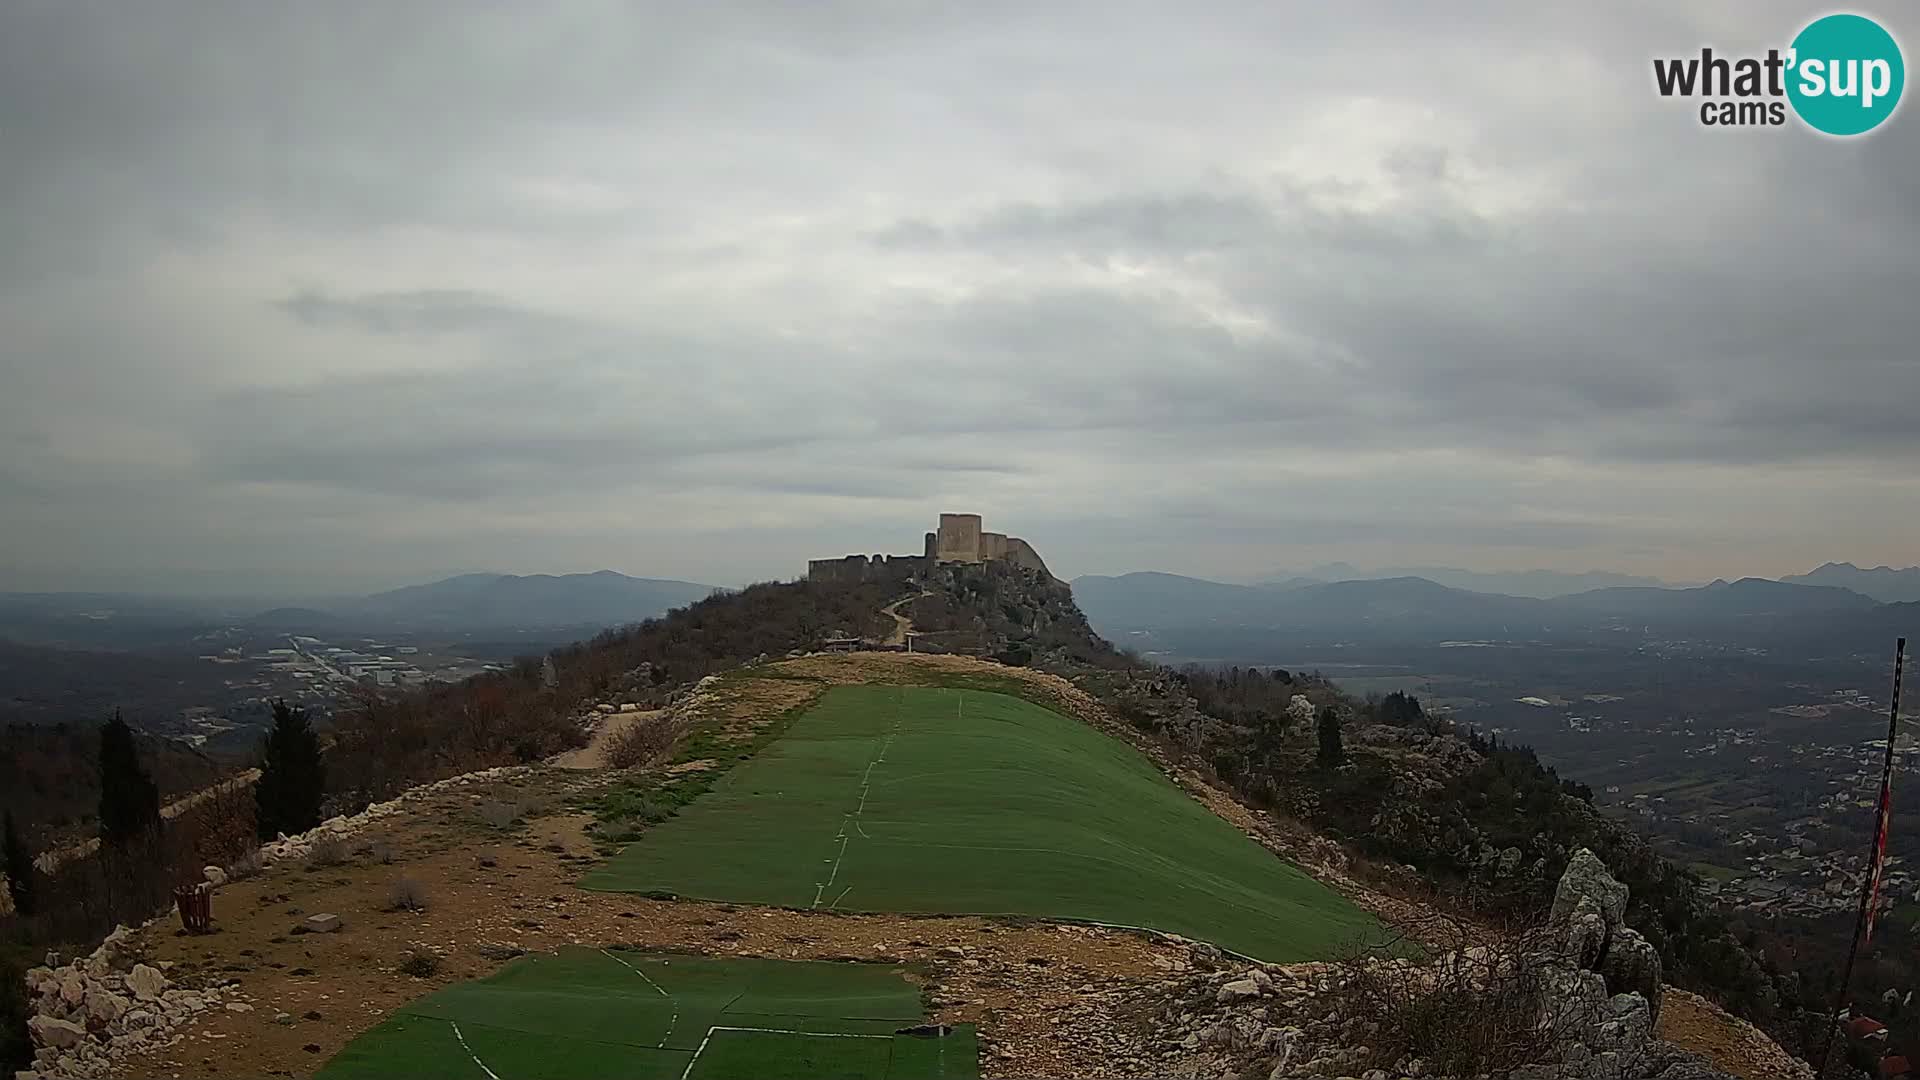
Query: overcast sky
333	296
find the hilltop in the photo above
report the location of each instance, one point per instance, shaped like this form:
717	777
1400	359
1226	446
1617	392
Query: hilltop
1431	831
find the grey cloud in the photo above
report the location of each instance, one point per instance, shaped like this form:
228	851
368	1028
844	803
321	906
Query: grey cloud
652	287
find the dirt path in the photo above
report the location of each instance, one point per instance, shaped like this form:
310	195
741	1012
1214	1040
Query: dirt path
902	626
612	726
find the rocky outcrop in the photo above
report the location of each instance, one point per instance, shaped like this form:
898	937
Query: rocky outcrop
90	1014
1589	990
1589	919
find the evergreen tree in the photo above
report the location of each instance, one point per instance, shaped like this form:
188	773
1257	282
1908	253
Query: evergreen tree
19	865
293	778
129	799
1331	752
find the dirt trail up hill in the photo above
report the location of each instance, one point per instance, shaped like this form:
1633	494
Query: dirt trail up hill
902	625
1049	1000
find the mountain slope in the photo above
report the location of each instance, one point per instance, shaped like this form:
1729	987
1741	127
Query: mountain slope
1145	601
1537	584
1883	583
603	598
1748	596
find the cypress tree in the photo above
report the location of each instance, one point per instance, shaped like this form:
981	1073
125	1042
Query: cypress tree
129	799
293	777
1331	751
19	864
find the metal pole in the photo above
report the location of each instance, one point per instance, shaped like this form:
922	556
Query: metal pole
1873	854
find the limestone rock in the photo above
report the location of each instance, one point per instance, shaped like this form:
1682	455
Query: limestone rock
58	1034
1632	966
146	982
323	923
215	876
1237	990
1584	939
1587	877
105	1006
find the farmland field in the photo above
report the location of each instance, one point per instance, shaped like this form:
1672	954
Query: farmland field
914	799
586	1013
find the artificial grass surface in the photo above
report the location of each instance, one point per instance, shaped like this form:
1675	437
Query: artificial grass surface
915	799
582	1014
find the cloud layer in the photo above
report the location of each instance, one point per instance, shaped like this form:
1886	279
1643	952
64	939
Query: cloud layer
339	296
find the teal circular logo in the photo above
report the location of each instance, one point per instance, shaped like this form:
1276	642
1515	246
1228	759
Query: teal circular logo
1845	74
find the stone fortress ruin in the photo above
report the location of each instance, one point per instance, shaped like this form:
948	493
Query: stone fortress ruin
959	539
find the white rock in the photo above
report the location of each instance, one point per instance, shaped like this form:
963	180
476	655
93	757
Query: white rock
105	1006
73	988
215	876
1237	990
145	982
57	1034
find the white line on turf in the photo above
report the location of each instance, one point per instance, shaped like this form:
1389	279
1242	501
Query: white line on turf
476	1057
688	1071
866	786
671	1022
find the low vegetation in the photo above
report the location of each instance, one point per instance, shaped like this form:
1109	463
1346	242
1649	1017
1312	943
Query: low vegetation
643	742
420	963
1477	1013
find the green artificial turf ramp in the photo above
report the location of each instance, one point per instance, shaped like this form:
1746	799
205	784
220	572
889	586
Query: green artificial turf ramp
582	1014
913	799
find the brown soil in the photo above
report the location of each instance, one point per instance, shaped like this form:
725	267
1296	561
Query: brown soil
744	705
1013	978
1733	1045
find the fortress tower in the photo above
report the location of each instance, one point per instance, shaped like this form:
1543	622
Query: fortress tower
959	539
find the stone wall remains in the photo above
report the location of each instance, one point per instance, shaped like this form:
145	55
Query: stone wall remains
860	568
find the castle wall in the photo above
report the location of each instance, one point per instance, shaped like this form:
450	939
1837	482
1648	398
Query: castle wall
858	568
1021	553
993	545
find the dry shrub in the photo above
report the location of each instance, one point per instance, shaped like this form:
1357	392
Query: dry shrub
643	742
420	963
497	814
248	865
1474	1012
328	851
381	852
406	894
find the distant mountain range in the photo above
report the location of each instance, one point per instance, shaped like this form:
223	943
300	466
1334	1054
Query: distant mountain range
1417	606
1883	583
499	601
1540	584
469	602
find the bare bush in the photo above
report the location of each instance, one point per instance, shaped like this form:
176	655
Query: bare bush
420	963
1484	1010
496	814
643	742
381	852
406	894
328	851
246	866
